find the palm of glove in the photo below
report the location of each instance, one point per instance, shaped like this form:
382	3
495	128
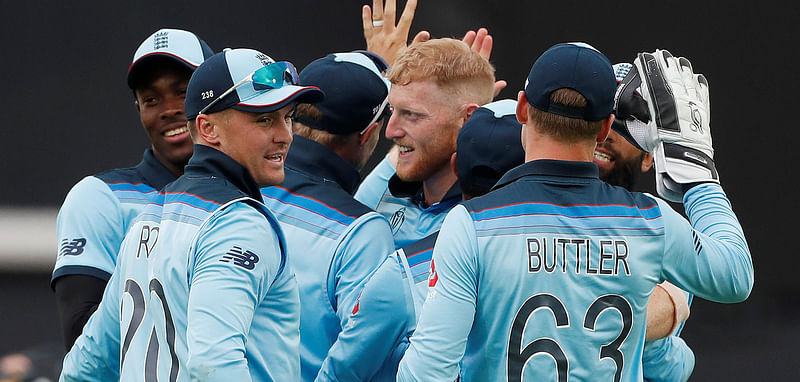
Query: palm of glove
679	131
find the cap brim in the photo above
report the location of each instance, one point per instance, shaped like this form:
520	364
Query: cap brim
133	69
278	98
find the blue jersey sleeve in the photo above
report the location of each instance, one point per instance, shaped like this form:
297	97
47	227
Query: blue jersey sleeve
95	354
378	327
667	360
375	184
710	257
237	255
361	345
447	316
90	230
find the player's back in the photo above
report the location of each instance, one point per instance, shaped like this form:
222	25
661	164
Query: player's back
572	262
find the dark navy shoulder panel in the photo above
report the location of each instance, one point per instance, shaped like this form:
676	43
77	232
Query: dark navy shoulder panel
422	245
121	175
208	189
326	193
585	193
149	172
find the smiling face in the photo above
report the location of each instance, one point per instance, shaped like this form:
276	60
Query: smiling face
424	126
160	106
620	163
258	141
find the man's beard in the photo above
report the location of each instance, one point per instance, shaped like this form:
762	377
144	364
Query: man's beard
625	173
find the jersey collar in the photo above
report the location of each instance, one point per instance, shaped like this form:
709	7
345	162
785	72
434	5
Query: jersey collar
316	160
552	170
153	172
208	161
414	190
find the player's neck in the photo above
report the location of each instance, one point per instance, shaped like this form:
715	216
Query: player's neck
435	187
541	146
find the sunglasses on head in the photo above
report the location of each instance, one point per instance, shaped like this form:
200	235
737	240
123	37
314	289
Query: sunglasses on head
272	76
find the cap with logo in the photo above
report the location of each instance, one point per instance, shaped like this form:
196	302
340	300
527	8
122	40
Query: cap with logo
179	45
245	80
576	66
489	144
356	93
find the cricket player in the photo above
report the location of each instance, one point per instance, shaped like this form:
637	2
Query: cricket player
334	242
100	208
395	292
203	289
436	85
548	276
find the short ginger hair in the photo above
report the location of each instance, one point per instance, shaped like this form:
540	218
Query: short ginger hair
451	64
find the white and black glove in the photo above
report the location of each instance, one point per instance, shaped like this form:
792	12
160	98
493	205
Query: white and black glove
679	131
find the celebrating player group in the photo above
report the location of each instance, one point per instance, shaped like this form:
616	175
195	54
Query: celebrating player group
498	240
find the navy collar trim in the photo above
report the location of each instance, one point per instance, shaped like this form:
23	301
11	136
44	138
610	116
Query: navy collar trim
316	160
153	172
208	161
415	191
566	171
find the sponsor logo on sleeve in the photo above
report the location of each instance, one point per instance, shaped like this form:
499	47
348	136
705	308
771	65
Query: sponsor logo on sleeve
72	247
240	257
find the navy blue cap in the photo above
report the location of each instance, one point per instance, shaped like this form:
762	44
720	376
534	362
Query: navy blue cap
489	144
220	72
576	66
181	46
355	91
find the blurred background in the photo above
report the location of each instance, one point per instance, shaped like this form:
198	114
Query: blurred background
68	113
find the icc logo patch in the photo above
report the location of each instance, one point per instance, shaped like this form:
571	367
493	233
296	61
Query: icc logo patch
240	257
397	219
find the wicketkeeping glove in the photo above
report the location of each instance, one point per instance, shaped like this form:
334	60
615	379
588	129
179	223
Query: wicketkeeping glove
679	131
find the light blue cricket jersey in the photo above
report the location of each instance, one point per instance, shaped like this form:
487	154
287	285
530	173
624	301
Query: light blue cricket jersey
203	290
403	204
548	277
334	243
97	213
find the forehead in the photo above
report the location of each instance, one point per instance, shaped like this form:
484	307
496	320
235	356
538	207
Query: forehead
160	77
421	96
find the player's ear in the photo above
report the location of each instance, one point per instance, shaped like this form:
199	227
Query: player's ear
522	107
605	129
647	162
364	138
468	110
207	129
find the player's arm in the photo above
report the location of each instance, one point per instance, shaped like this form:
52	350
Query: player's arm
376	331
376	183
710	256
667	360
440	340
95	354
362	344
667	308
223	295
90	229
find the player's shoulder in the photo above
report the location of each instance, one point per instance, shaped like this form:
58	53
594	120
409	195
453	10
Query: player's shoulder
323	197
129	177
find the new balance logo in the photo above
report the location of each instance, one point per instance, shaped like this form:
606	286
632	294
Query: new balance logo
72	248
161	40
242	258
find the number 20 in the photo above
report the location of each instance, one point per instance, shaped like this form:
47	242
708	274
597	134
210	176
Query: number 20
133	289
517	358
